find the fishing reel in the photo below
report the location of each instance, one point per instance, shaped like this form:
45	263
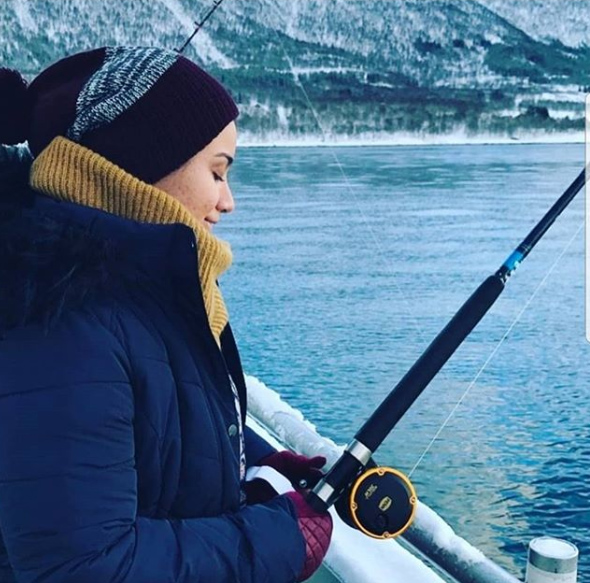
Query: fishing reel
381	503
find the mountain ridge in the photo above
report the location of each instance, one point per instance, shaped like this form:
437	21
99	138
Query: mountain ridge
369	68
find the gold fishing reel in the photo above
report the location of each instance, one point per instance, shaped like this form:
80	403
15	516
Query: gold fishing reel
381	503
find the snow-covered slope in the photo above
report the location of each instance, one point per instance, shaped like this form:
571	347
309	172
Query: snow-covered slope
426	41
369	67
567	21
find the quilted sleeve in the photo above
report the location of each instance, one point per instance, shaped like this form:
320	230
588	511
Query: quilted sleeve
68	487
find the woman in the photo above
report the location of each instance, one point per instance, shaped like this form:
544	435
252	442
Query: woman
123	448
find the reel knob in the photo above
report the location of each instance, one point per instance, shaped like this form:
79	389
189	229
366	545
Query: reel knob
382	503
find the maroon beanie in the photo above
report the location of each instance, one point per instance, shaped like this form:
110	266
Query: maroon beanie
147	110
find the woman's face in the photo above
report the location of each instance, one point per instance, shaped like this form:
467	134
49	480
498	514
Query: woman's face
200	184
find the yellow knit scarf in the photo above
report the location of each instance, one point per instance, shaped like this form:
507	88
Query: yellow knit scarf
70	172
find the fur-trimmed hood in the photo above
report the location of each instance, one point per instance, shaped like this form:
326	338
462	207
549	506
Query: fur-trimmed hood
46	265
54	256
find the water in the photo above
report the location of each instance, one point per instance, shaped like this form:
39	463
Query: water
337	289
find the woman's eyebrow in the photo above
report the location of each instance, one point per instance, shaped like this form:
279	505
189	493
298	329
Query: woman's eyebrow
227	157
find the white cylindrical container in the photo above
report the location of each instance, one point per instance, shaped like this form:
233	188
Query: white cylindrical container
552	560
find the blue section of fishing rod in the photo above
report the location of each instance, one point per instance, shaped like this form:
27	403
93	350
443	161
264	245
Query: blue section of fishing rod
405	393
528	243
513	261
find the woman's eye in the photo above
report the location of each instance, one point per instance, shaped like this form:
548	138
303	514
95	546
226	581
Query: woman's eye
217	177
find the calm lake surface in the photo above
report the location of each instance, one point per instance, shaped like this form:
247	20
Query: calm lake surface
339	283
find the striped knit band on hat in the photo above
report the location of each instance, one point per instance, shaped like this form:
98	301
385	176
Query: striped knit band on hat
147	110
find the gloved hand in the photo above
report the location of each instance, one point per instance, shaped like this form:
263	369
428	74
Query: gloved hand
317	532
296	467
293	466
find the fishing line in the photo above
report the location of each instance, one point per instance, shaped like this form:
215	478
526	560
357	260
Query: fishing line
495	350
381	251
381	254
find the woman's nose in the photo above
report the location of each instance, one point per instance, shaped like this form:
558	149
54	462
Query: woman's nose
226	200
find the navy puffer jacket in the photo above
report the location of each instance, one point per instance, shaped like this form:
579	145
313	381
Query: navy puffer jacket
118	432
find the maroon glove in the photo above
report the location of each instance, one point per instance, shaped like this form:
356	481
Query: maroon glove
293	466
317	532
296	467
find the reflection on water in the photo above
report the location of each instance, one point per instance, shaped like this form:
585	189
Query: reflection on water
337	289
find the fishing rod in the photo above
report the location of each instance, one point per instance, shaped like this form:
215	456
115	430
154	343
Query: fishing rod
379	501
199	25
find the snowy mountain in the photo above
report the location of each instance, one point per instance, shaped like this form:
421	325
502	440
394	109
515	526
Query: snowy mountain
367	67
567	22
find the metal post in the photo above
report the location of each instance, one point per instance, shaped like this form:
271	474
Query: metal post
552	560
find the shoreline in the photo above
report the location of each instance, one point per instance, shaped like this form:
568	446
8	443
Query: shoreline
247	140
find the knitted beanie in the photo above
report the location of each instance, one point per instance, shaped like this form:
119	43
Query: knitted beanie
147	110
